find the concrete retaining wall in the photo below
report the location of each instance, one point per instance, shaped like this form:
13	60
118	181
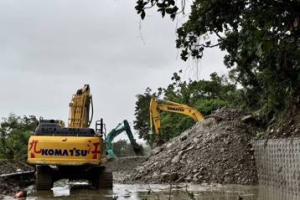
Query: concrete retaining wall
278	164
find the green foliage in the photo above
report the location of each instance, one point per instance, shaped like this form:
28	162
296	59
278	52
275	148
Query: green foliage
14	134
204	95
164	7
261	39
208	105
122	149
142	116
174	124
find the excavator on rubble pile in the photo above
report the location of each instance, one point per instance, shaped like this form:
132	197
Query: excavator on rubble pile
74	152
157	106
121	127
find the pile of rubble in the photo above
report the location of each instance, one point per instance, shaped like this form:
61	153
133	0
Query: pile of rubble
217	150
10	182
13	166
124	164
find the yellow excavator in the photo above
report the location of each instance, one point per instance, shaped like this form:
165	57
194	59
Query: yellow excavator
157	106
74	152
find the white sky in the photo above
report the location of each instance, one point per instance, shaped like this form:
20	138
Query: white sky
49	49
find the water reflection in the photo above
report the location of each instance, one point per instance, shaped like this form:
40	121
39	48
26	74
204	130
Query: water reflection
268	193
64	190
203	192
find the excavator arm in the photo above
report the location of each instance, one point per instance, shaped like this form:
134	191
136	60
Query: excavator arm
138	150
168	106
80	108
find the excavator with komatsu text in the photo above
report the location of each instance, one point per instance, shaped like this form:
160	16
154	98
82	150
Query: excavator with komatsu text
120	128
74	152
158	106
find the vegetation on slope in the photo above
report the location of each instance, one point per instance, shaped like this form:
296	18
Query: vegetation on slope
205	95
261	40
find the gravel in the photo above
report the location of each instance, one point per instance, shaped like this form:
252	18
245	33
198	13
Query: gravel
10	185
216	150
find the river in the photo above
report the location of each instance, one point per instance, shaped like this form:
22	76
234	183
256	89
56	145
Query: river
63	190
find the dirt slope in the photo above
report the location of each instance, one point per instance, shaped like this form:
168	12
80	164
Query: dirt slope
217	150
124	164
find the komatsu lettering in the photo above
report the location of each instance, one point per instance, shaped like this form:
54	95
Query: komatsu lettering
176	109
92	148
64	152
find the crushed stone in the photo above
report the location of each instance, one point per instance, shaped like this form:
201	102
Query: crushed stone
216	150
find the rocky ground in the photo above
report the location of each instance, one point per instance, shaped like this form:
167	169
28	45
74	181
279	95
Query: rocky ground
12	166
12	184
217	150
124	164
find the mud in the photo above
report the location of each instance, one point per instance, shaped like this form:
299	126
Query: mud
124	164
12	166
9	183
78	190
217	150
65	190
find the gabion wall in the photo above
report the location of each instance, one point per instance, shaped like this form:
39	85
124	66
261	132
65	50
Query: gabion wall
268	193
278	164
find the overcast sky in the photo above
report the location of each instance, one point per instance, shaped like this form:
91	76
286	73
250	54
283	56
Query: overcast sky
49	49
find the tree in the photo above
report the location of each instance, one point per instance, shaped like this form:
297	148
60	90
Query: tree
204	95
14	134
123	149
261	39
142	116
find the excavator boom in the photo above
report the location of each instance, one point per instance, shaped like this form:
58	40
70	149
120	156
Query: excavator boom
168	106
80	108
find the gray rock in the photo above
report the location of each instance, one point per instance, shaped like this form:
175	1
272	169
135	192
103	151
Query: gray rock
176	159
188	178
196	140
184	137
156	150
169	177
248	119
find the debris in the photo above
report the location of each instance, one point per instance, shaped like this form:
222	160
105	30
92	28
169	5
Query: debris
14	174
212	151
122	165
21	194
169	177
248	119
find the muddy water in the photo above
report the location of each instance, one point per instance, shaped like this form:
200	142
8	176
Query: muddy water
63	190
81	190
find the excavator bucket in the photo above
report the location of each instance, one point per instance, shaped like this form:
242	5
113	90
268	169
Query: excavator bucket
138	150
